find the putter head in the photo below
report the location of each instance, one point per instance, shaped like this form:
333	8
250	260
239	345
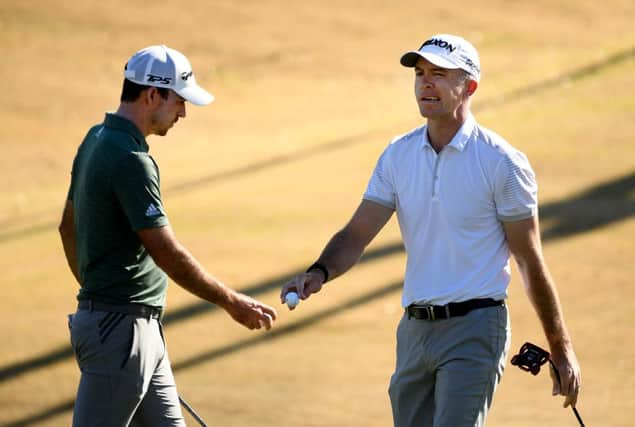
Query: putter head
530	358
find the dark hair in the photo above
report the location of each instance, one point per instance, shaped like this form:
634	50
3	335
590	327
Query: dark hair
131	91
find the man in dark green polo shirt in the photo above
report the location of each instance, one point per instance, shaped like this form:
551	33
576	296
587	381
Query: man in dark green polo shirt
120	246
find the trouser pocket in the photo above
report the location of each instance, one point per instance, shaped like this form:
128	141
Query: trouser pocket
131	345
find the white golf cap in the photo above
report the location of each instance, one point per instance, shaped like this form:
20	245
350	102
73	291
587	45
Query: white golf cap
446	51
161	66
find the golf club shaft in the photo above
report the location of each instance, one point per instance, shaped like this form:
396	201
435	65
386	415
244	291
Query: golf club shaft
192	412
577	415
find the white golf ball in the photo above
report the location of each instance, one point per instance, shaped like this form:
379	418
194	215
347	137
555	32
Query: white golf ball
292	299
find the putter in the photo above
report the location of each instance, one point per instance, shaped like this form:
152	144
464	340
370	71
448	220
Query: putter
192	412
530	358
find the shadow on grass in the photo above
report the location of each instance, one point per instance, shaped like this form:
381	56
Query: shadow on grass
40	417
592	208
281	331
572	76
523	92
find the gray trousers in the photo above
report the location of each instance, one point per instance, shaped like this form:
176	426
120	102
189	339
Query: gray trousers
447	370
126	378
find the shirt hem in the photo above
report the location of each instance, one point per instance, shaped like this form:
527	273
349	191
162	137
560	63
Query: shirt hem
518	217
379	201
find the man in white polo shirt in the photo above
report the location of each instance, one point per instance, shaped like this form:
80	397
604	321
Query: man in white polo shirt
465	199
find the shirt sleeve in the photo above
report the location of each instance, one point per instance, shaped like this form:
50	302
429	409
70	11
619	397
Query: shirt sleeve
381	188
516	190
136	185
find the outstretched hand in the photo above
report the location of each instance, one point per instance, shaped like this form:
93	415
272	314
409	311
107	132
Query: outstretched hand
251	313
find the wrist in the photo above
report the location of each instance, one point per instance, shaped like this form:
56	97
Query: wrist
321	268
559	342
226	297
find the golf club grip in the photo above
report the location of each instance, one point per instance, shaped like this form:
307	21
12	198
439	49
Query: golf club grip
575	411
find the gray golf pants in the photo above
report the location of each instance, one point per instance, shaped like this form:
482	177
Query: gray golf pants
126	378
447	370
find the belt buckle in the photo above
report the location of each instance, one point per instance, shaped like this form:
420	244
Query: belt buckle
430	310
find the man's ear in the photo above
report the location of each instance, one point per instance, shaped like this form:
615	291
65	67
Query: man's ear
471	87
151	96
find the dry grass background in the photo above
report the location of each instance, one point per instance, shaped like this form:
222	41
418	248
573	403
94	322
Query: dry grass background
308	94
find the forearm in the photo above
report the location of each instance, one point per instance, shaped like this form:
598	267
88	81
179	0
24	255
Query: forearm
188	273
341	253
543	295
346	246
523	238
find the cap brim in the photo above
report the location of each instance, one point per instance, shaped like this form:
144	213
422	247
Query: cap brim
409	59
196	95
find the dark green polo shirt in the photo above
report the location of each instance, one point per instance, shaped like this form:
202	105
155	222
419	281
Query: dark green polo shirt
115	192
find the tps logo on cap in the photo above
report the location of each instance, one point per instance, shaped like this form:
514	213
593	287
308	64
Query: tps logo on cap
153	78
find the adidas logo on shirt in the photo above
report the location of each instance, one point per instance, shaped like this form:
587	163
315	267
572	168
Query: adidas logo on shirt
152	210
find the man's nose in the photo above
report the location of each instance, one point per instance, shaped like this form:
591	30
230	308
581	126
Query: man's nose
182	112
425	80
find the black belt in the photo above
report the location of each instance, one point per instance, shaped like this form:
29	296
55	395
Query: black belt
453	309
140	310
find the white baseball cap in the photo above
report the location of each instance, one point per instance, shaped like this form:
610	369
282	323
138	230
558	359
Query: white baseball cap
446	51
161	66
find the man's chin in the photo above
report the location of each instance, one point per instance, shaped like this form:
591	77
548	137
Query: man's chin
426	113
430	113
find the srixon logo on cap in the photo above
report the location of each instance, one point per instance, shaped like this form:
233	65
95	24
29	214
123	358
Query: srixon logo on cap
440	43
153	78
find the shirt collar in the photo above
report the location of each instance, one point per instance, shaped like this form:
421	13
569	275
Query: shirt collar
115	121
460	138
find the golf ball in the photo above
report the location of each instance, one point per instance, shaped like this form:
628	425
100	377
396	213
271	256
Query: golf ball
292	299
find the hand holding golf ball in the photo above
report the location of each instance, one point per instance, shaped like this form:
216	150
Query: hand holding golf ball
301	287
292	299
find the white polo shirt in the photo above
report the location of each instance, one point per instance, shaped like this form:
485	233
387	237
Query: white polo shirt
450	206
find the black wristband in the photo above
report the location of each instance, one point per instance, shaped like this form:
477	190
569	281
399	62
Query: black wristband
318	266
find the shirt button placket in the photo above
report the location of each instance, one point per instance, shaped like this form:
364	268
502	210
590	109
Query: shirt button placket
436	179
